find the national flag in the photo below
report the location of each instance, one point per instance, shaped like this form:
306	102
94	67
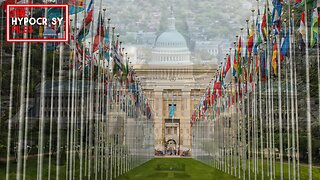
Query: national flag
274	58
117	63
285	45
228	64
250	40
314	27
99	35
90	6
217	88
75	6
239	68
235	64
276	16
263	66
107	44
239	49
172	110
302	28
84	31
264	25
257	38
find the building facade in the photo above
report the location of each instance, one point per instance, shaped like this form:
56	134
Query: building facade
170	78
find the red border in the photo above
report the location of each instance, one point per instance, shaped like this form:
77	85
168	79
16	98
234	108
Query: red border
66	33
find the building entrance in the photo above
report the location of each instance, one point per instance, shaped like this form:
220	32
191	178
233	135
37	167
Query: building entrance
172	136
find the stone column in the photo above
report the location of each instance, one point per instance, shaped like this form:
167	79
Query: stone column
185	120
158	110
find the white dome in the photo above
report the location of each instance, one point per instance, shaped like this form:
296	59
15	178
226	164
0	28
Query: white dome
171	39
171	47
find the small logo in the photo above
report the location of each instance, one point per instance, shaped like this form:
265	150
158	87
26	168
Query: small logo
28	23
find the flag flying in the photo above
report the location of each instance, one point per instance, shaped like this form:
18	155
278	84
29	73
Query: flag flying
90	6
239	50
285	45
238	57
274	58
84	31
276	16
228	64
250	40
263	66
172	110
257	38
99	35
107	44
264	24
302	29
235	64
314	27
75	6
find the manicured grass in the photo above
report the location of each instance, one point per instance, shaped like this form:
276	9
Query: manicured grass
31	170
161	168
174	168
276	174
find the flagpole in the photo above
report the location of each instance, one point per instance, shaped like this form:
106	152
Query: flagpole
296	117
308	95
42	104
270	103
318	60
249	130
73	99
273	120
287	105
1	57
82	90
96	101
237	98
291	33
51	108
253	88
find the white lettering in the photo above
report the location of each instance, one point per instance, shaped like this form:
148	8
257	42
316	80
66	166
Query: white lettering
54	21
20	21
44	21
14	21
60	21
25	21
32	21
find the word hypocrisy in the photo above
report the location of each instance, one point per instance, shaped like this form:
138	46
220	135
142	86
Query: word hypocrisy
33	21
43	29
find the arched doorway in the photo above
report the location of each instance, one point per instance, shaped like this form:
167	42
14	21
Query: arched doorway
171	147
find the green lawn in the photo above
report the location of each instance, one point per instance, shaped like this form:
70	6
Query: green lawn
159	168
174	168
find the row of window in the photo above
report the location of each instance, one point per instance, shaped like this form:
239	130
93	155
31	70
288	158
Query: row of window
170	44
172	58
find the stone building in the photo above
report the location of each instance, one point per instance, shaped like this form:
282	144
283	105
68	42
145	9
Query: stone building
169	78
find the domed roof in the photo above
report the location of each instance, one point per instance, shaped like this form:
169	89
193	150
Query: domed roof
171	39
